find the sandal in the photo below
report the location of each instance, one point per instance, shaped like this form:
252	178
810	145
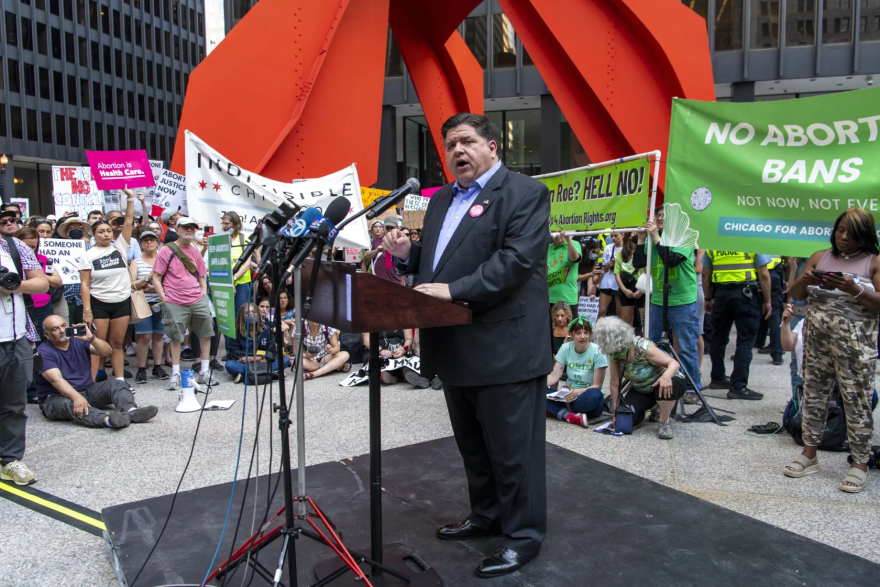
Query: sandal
801	466
307	376
345	368
855	480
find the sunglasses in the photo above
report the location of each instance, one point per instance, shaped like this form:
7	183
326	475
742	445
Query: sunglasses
416	232
406	234
4	221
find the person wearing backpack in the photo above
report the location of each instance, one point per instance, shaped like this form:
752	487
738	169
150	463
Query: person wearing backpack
179	278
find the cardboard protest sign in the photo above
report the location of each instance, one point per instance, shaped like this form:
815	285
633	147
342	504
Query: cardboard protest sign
414	202
23	204
170	193
216	185
772	177
368	195
113	199
588	307
65	255
74	189
115	170
413	218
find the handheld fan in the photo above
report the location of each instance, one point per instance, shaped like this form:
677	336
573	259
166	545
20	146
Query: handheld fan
677	231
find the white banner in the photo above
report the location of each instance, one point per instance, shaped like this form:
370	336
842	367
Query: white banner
65	255
74	189
414	202
215	185
589	308
171	192
115	198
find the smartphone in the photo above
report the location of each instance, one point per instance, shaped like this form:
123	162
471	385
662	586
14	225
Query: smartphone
209	230
799	310
119	221
71	331
821	275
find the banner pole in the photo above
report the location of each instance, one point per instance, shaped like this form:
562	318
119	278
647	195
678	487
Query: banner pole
649	242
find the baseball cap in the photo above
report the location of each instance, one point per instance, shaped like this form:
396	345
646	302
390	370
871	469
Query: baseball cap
51	217
11	213
167	213
391	222
147	234
184	220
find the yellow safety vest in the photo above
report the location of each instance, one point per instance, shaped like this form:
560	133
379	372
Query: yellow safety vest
732	267
776	262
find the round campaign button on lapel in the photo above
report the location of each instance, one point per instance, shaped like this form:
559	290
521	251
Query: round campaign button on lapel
475	210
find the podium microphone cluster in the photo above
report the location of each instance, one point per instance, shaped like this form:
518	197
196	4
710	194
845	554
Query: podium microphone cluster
322	232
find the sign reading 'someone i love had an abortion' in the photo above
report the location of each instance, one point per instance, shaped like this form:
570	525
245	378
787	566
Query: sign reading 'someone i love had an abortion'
114	170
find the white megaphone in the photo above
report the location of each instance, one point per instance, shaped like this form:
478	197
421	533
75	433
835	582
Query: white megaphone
188	401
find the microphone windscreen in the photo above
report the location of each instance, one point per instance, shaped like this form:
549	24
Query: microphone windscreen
414	184
337	210
310	215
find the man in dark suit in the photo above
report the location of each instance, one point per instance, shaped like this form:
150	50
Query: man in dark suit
484	241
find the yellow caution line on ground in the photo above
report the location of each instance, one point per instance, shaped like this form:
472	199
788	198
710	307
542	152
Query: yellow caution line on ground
53	506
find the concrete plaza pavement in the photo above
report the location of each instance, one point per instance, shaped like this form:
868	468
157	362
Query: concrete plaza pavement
100	468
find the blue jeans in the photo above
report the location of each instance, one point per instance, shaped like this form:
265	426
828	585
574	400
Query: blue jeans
152	325
590	402
685	324
241	298
235	368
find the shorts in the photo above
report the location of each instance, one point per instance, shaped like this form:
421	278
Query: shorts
110	311
622	300
197	317
152	325
609	292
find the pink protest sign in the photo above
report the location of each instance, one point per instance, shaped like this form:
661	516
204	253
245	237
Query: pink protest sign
428	192
114	170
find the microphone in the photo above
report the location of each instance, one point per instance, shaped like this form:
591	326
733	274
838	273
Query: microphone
295	231
321	232
385	202
264	232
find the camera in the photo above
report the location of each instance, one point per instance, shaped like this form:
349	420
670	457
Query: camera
120	221
72	331
9	281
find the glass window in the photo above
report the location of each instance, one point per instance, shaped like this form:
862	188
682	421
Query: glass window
56	43
168	86
152	150
108	99
96	95
84	93
60	130
138	33
108	69
159	78
148	33
74	132
526	59
93	22
185	51
33	133
117	24
99	136
68	9
71	90
201	52
192	47
151	109
476	37
17	127
183	18
46	124
117	54
837	18
764	25
120	136
728	25
240	8
177	86
161	112
130	104
3	128
11	29
503	42
111	138
105	26
83	52
81	11
201	24
53	7
162	151
140	70
14	76
174	12
167	44
27	35
176	47
800	20
142	140
30	79
170	117
69	48
150	73
45	90
58	86
869	21
87	134
96	56
127	28
42	39
120	102
192	21
129	67
158	40
393	59
701	7
132	143
420	154
520	140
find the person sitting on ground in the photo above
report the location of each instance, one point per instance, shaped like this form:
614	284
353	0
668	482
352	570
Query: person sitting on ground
396	344
584	363
654	375
561	319
254	343
66	389
321	352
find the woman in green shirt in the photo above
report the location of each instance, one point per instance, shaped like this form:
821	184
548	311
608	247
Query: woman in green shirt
584	364
655	376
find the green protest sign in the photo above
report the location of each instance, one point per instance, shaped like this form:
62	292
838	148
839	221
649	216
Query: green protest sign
772	177
604	196
222	286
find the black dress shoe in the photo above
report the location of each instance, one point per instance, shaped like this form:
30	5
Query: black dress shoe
778	361
502	562
720	383
765	351
744	393
461	531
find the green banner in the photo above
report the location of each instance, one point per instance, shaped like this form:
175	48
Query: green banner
222	286
772	177
612	196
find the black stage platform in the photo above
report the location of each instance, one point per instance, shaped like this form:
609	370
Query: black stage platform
606	527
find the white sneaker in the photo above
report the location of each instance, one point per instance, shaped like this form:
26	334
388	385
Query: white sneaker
17	472
129	350
207	379
174	382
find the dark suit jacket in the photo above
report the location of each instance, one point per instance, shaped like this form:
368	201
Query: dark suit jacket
497	262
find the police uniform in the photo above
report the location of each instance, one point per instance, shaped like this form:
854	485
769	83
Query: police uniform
737	299
772	325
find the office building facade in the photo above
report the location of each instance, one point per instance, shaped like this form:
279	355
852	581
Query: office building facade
82	75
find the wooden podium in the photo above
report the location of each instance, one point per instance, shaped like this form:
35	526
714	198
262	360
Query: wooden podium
361	302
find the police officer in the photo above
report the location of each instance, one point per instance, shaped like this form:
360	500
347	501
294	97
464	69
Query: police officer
730	284
772	325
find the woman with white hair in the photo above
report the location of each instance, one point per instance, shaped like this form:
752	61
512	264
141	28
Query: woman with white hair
654	375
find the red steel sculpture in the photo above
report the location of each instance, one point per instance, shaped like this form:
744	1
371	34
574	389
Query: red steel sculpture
295	90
